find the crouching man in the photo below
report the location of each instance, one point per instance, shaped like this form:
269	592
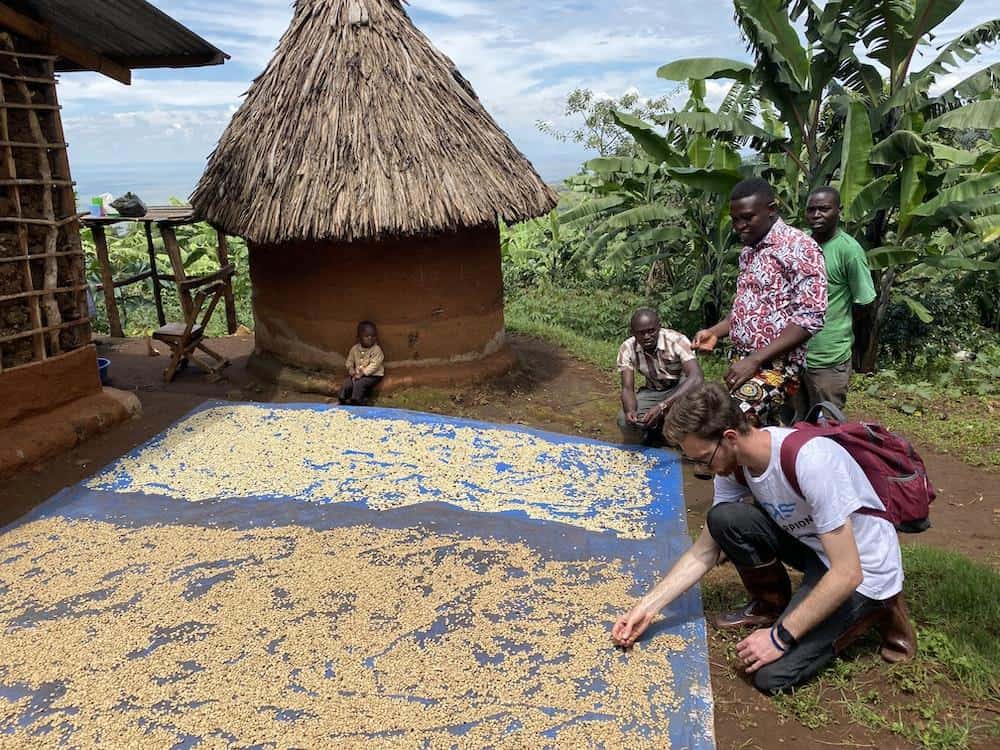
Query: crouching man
853	576
665	358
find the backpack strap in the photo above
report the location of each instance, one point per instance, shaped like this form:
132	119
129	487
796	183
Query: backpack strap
790	452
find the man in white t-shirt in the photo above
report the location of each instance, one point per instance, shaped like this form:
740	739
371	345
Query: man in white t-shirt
853	575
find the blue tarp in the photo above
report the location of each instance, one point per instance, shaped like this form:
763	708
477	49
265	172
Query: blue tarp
113	497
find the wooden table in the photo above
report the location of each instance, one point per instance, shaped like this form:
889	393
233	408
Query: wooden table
166	219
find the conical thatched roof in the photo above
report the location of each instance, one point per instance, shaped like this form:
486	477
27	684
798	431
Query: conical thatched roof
360	128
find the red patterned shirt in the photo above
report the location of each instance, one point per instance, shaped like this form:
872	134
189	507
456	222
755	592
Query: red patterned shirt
782	282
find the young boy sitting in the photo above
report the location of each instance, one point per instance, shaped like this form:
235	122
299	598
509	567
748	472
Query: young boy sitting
663	356
364	366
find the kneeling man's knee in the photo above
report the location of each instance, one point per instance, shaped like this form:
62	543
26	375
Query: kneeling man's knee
725	518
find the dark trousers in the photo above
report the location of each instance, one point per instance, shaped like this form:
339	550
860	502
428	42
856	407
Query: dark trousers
356	391
749	537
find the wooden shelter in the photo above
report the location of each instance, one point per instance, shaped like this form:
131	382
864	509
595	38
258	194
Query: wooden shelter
368	180
47	361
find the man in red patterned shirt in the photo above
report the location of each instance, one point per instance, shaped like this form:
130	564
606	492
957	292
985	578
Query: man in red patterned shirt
780	303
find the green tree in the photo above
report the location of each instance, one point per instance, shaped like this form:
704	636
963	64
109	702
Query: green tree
876	136
668	206
600	132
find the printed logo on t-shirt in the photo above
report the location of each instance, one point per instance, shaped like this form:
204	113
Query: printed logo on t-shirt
781	511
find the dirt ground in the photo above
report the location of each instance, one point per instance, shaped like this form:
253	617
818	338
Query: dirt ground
550	391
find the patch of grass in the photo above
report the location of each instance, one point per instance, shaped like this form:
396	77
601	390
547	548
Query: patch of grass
600	353
421	399
956	603
805	705
967	427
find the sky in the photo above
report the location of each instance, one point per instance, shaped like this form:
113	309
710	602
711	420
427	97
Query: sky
521	56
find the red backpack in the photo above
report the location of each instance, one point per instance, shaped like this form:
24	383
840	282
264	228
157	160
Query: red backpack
895	470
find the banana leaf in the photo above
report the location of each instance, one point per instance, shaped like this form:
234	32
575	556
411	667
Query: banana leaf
705	67
855	171
889	255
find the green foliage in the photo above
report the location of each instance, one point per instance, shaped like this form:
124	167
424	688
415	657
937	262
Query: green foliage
665	209
957	604
889	145
129	257
599	131
599	314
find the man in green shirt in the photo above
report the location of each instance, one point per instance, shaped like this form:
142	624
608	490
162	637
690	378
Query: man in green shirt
849	282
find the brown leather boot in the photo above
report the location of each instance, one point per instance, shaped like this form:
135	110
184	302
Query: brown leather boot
858	629
899	641
770	591
892	620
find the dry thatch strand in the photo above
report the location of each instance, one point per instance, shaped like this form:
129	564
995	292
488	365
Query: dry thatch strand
359	128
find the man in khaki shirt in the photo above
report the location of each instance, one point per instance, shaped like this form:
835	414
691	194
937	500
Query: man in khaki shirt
664	357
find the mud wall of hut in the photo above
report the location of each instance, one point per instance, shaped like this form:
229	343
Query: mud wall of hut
436	300
43	309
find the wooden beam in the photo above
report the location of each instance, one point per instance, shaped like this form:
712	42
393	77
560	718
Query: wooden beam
101	246
177	264
231	322
173	61
155	274
62	46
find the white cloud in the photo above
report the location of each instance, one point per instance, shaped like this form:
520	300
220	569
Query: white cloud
521	56
450	8
79	88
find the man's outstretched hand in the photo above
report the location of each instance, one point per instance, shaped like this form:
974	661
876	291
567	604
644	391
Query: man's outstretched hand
630	626
704	341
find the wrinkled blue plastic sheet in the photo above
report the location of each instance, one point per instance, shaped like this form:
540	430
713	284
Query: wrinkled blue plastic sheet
690	721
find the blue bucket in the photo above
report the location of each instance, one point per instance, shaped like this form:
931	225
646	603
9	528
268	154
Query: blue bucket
104	369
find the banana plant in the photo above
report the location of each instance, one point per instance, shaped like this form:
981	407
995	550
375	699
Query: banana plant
879	138
669	206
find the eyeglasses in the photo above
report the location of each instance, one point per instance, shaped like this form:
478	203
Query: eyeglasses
703	468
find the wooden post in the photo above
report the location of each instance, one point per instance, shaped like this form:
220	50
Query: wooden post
101	245
71	231
50	277
177	263
157	289
10	172
231	321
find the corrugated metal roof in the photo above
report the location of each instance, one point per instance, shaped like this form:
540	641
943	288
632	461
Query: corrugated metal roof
133	33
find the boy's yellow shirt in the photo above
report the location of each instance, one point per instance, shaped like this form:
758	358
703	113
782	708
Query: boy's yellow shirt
366	361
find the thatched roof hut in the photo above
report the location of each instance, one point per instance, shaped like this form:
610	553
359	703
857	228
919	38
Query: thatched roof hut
359	128
369	179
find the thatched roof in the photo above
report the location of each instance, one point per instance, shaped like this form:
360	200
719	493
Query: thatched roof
360	128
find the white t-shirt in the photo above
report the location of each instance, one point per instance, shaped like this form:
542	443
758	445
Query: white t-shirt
833	488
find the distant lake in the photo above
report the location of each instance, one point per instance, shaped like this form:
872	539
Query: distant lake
157	182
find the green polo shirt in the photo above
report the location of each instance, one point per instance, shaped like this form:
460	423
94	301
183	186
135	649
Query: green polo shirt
848	283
